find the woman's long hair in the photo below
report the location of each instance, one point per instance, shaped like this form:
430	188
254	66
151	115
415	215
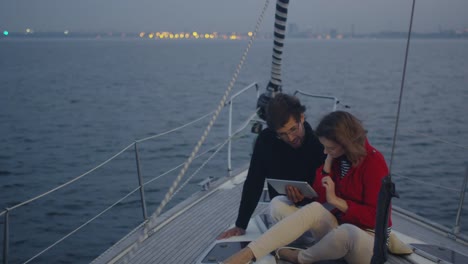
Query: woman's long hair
347	131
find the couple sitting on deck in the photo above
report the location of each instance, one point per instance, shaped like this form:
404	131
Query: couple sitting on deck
348	178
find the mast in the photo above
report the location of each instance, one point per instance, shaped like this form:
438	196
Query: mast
275	84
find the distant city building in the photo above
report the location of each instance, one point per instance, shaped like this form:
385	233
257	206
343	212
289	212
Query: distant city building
292	29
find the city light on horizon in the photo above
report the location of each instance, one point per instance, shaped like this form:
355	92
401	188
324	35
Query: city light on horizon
294	31
364	16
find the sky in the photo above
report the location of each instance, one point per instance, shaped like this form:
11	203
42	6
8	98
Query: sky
228	15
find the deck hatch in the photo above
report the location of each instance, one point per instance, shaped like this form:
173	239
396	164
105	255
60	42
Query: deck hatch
223	250
442	253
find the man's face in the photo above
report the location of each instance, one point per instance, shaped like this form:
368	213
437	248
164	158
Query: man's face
292	132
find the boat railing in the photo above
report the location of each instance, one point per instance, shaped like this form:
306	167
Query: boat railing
335	99
455	231
231	102
215	149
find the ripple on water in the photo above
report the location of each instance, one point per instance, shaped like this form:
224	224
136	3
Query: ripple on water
73	207
4	173
5	157
19	242
55	213
14	185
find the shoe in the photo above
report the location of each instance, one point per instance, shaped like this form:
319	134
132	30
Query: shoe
250	262
277	255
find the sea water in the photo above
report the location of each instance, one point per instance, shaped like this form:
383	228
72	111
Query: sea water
67	106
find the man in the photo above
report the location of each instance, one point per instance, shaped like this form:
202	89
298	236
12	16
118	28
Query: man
288	150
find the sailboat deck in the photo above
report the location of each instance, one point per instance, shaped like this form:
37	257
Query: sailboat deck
183	233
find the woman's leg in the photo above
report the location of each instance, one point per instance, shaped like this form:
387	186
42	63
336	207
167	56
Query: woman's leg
280	208
346	241
313	217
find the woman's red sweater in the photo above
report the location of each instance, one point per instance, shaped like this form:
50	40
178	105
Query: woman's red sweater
359	188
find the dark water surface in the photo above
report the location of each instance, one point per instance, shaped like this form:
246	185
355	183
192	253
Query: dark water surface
68	105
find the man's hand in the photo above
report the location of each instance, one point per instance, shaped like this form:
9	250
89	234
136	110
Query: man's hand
235	231
294	194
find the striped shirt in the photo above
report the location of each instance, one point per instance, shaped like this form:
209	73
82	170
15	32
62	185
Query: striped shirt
345	165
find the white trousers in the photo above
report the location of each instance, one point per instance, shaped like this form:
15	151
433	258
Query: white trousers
333	241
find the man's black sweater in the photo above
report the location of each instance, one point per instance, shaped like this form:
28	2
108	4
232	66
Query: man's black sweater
274	158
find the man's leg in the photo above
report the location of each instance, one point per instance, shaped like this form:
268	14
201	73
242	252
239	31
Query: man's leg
281	207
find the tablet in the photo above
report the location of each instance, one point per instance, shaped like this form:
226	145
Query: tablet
304	187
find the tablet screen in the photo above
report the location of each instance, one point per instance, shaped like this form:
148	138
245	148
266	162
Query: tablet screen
304	187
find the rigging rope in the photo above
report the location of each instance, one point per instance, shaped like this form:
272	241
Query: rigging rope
218	148
401	91
171	190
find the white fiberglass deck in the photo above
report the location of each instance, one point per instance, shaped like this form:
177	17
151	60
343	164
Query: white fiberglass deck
185	232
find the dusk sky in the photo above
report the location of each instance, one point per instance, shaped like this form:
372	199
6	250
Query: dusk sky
228	15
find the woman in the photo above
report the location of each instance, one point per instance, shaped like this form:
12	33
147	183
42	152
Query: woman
350	180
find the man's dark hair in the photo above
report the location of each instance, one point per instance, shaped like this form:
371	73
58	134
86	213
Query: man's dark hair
281	107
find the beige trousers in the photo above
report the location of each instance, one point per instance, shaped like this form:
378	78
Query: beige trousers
281	207
334	241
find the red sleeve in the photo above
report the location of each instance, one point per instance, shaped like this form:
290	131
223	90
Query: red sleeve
363	213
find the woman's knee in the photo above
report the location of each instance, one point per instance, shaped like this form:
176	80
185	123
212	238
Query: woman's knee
349	234
315	207
348	230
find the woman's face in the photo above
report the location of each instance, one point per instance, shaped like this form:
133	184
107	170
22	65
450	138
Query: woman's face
331	148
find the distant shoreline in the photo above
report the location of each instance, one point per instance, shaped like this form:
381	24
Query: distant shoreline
226	36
